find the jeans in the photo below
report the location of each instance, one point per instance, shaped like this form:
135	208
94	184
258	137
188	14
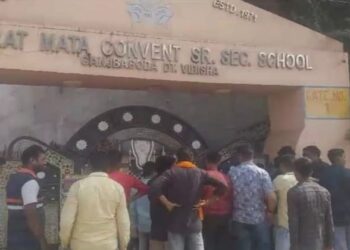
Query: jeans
342	238
251	237
192	241
215	232
282	241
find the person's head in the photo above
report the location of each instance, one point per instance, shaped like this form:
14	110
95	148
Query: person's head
302	168
337	156
286	163
100	161
286	150
115	158
34	158
213	159
312	152
163	163
148	170
184	154
245	153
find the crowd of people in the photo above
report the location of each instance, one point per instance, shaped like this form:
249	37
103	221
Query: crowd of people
303	204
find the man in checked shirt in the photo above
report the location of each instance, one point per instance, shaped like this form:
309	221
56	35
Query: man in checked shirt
309	211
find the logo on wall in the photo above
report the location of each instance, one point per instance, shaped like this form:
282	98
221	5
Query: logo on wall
150	11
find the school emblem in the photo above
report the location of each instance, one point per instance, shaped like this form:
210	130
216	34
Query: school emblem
150	11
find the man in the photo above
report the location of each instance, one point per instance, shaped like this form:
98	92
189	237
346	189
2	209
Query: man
285	150
253	200
309	211
159	214
217	215
95	214
282	184
336	180
140	209
25	203
184	186
121	176
318	166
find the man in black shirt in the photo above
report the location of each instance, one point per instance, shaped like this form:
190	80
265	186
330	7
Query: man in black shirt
318	166
336	179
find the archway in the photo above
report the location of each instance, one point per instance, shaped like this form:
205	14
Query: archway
138	122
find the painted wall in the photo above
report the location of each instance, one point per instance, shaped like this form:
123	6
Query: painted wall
55	114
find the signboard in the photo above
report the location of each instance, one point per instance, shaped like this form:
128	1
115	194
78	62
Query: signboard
118	53
327	103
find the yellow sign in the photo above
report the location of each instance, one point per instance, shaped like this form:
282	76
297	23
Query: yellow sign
327	103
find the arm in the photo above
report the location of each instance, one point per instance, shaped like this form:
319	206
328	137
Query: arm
142	189
156	191
220	188
123	222
68	215
329	230
30	191
270	196
293	219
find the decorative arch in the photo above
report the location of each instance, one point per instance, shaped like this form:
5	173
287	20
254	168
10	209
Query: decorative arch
127	117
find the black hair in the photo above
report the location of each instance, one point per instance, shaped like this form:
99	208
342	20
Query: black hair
163	163
184	154
30	153
286	160
303	166
213	157
100	161
114	157
246	151
148	169
335	153
286	150
313	150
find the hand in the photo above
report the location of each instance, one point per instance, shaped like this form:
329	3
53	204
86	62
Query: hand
170	206
200	204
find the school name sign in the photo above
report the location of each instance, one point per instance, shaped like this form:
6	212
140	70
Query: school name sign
121	52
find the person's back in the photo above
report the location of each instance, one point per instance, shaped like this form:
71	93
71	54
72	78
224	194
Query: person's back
95	214
185	189
309	211
336	179
98	199
253	200
222	206
250	184
313	203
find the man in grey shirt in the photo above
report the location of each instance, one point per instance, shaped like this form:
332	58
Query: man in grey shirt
309	211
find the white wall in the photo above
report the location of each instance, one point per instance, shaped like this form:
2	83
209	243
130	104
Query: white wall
55	114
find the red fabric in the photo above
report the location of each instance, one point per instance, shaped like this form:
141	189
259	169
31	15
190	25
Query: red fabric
129	182
224	205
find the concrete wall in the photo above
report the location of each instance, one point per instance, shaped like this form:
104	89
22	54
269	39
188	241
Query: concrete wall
55	114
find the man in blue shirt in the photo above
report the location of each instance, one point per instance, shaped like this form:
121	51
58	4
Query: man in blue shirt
336	179
254	202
